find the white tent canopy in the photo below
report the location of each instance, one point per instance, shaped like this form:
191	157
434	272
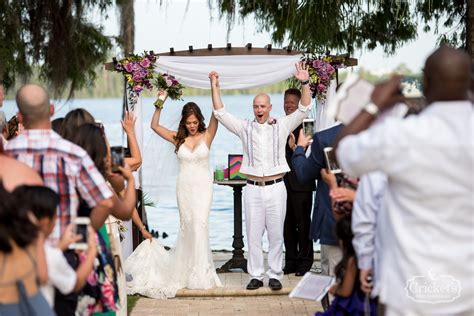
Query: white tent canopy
235	71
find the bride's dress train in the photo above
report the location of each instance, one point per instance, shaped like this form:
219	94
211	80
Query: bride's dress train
159	273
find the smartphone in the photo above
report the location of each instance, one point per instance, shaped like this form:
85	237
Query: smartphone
81	225
308	127
331	164
117	157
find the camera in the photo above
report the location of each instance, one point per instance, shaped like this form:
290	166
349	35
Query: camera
117	154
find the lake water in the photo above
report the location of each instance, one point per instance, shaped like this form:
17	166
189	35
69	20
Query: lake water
160	164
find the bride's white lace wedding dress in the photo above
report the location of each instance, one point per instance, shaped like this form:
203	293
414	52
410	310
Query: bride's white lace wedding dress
159	273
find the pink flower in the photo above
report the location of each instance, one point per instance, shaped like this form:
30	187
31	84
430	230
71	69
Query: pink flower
128	67
271	120
316	64
169	82
321	87
138	88
92	278
137	77
108	294
145	63
136	66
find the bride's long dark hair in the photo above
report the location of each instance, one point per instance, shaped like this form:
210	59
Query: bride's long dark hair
189	109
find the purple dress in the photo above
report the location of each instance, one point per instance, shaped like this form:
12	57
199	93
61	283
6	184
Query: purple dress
353	305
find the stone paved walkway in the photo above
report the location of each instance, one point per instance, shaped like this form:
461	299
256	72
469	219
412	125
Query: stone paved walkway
257	305
232	298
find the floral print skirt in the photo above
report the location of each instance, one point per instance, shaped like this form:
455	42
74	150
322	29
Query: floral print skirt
100	294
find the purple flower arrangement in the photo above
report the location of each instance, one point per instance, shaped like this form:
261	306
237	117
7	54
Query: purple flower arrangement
138	70
321	71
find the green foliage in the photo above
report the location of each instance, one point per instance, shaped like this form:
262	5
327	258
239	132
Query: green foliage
131	302
54	37
345	25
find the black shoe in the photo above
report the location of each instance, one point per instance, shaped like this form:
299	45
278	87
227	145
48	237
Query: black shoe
274	284
300	273
254	284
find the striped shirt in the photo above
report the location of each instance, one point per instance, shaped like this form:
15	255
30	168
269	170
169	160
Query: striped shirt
65	168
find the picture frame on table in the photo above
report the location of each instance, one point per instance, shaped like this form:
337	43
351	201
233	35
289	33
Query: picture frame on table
234	163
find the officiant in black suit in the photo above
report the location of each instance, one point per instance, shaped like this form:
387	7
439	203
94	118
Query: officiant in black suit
298	244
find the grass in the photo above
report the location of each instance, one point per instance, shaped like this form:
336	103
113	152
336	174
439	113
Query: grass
131	302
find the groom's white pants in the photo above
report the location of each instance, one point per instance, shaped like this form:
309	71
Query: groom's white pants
265	208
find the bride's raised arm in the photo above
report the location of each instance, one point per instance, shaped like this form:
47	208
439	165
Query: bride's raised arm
155	122
212	129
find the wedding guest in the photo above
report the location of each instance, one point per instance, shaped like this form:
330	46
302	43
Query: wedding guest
298	244
42	202
264	163
348	298
73	120
428	205
65	167
57	125
308	169
368	221
135	162
22	261
99	152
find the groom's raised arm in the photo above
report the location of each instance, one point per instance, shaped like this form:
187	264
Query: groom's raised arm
229	121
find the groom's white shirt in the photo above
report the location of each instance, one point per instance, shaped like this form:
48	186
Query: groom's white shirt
263	144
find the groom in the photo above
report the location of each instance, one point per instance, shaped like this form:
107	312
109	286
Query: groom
264	164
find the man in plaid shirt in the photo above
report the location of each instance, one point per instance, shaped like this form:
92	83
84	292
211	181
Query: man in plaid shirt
65	167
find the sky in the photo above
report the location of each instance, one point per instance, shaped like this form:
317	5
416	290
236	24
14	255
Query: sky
158	28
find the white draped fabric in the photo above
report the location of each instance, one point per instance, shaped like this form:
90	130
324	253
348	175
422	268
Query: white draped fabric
127	242
235	71
322	119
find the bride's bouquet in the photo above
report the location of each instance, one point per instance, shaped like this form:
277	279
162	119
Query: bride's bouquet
168	83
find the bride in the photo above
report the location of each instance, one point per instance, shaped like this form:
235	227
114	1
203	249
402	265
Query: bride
159	273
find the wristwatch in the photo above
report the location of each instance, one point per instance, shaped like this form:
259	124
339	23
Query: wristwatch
372	109
304	82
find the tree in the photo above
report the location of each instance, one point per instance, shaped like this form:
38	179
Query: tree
127	25
53	37
345	25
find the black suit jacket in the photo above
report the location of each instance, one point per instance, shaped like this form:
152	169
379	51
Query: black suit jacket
291	180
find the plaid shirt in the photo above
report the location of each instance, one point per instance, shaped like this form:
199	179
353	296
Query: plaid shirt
65	168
